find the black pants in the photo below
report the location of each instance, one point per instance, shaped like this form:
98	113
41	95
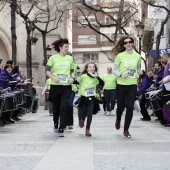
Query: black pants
144	111
110	98
60	96
87	111
104	103
126	95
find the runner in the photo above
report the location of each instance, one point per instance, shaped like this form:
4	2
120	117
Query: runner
110	91
61	66
88	82
126	66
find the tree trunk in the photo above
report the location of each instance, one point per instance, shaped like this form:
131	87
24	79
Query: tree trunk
13	31
28	54
44	48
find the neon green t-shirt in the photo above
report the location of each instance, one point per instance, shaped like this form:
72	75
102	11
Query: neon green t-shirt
128	63
74	88
61	67
110	81
48	83
87	85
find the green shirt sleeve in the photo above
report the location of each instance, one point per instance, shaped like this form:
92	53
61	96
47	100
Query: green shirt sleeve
50	61
117	60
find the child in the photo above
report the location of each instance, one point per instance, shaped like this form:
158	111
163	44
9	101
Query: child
88	82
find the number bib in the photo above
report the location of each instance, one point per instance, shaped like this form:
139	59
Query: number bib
131	73
90	92
62	78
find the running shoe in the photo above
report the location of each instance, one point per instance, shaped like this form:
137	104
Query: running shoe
61	133
81	123
117	124
105	112
108	113
55	130
112	112
88	133
126	134
70	127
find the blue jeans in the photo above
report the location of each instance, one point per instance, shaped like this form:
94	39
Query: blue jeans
70	120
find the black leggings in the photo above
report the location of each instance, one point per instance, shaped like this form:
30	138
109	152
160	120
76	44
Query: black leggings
60	96
87	111
126	95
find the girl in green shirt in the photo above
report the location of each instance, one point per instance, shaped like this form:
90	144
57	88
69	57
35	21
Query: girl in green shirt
88	82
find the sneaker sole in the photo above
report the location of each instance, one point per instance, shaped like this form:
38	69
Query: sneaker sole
127	137
88	135
60	135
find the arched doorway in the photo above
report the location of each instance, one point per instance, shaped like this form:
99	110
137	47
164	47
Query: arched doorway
3	51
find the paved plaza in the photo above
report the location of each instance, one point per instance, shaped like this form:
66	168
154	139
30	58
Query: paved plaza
31	144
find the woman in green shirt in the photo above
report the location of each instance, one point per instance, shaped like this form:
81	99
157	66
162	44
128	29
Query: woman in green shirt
126	67
60	68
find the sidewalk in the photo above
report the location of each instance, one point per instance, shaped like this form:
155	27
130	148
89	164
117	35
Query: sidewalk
31	144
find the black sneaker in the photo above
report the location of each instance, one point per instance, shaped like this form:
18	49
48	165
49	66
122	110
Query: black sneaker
61	133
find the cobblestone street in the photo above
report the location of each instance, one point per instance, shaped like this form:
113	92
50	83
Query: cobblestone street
31	144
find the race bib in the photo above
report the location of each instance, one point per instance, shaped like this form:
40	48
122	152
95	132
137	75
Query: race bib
131	73
90	92
62	78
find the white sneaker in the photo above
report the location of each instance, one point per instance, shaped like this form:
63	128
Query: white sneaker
113	113
108	113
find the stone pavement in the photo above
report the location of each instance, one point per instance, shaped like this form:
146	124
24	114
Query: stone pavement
31	144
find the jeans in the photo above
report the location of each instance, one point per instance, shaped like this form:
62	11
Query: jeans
70	110
126	95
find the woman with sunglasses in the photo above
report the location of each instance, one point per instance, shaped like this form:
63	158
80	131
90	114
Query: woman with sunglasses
126	67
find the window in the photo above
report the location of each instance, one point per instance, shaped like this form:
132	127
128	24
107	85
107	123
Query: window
90	57
82	20
87	39
109	20
90	2
110	35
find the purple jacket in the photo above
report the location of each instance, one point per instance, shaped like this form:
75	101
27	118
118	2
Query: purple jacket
145	84
160	75
5	76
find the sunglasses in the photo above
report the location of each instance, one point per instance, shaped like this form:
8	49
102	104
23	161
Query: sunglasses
127	42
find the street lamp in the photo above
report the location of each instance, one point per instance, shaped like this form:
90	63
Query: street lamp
140	31
31	41
48	51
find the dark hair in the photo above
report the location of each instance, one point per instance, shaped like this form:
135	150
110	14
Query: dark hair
86	67
7	66
119	47
10	62
159	63
1	61
59	43
16	69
